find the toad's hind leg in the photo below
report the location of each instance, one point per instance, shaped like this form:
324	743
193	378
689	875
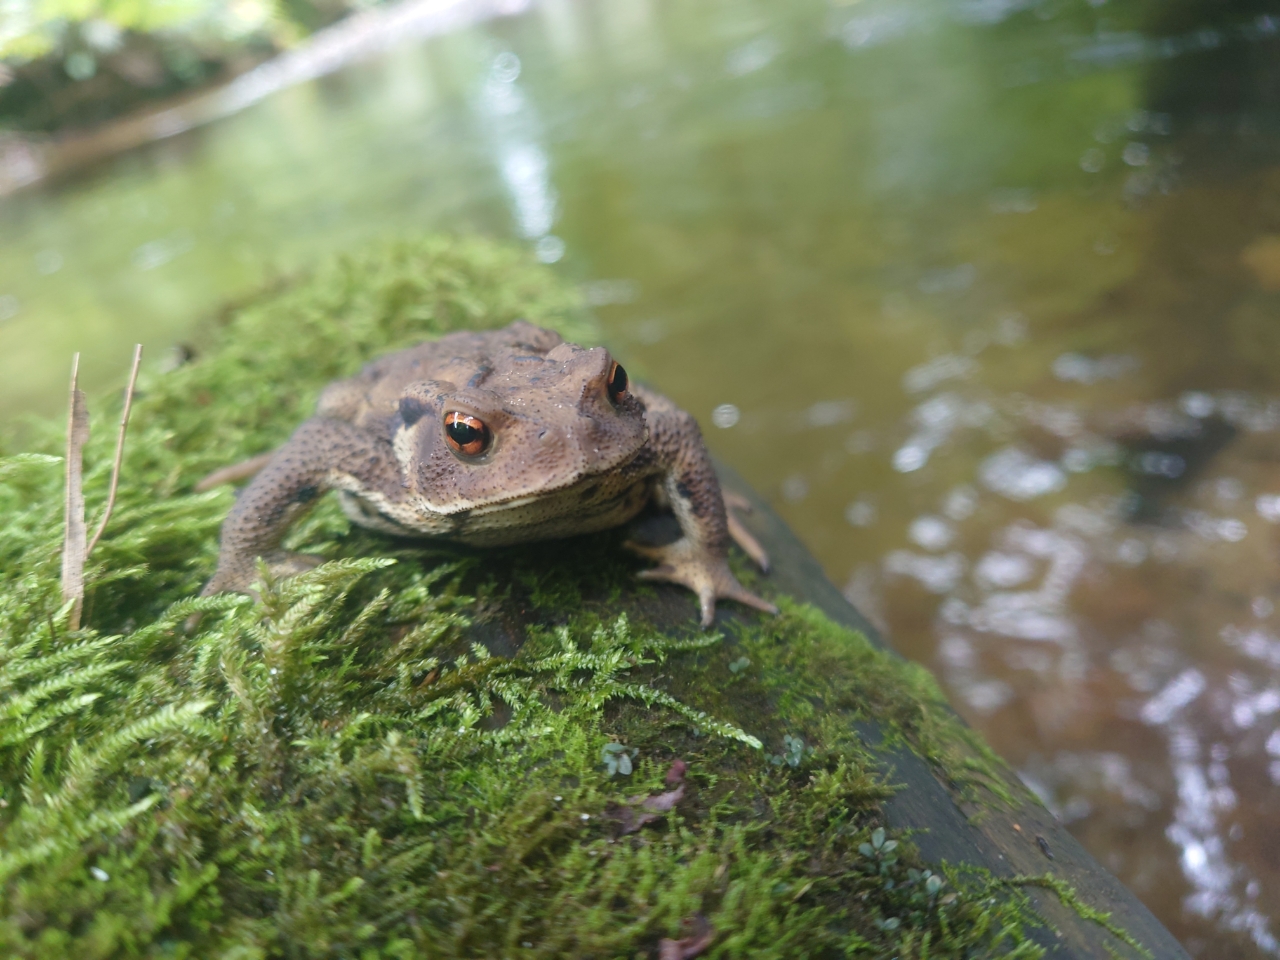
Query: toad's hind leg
699	559
734	503
319	456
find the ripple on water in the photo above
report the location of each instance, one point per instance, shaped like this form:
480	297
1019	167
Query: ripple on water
1040	600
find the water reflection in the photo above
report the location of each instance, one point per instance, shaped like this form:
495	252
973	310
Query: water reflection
983	294
513	129
1058	633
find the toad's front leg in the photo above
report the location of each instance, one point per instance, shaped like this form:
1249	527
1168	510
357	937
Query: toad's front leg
322	454
699	559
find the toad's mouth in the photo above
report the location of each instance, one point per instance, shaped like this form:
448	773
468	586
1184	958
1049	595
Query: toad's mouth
569	487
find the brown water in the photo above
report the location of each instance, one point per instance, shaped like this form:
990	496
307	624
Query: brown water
985	294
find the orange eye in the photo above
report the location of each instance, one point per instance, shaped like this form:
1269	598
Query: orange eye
467	435
617	382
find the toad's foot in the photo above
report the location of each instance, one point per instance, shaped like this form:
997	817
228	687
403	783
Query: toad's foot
707	576
244	578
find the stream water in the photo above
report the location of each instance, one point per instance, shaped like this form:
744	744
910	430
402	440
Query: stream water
984	294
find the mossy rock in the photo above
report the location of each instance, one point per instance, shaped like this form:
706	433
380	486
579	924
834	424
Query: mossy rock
422	751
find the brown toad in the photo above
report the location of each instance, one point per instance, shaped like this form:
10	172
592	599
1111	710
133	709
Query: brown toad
492	439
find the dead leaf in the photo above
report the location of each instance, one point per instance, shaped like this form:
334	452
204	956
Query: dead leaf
663	802
639	810
676	773
698	936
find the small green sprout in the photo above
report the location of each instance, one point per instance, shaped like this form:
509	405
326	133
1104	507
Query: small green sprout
617	759
879	848
932	882
793	752
739	665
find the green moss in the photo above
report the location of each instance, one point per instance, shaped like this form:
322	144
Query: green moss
401	753
815	667
1067	894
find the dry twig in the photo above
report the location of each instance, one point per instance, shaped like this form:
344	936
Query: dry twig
115	468
73	543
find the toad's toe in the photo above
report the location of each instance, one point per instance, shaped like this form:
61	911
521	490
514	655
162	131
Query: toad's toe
241	575
708	576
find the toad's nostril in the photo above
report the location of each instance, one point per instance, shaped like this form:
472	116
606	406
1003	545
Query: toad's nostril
411	410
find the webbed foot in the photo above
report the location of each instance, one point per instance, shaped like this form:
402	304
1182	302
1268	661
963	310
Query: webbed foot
243	578
709	577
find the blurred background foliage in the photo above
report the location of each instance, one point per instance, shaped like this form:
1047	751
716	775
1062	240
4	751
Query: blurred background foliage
73	63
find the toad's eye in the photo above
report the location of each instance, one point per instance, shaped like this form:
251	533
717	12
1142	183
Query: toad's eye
617	384
467	435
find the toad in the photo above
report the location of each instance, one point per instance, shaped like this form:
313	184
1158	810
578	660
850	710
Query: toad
490	439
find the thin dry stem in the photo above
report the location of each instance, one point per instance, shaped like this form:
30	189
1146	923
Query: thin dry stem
115	468
73	544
